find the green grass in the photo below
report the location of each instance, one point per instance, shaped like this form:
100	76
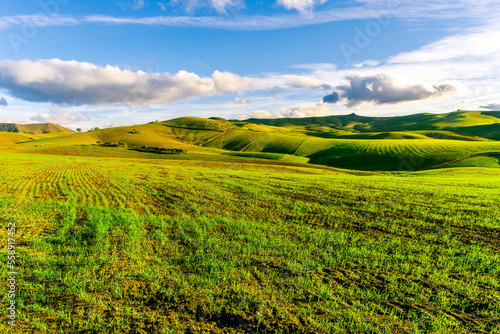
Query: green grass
235	140
9	138
372	135
271	156
112	245
390	154
450	135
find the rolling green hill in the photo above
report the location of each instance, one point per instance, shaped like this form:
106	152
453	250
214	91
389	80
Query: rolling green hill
413	142
484	124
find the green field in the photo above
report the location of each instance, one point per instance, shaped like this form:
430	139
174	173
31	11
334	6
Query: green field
255	228
168	246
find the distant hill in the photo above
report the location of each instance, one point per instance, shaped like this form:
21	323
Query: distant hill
35	129
485	124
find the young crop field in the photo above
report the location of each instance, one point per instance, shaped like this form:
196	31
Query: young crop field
222	244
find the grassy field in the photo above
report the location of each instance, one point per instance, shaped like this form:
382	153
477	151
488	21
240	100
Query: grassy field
339	224
228	244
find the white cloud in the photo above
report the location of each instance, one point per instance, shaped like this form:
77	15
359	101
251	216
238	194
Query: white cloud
221	5
473	43
320	109
438	9
230	82
80	83
303	6
60	116
367	63
299	81
258	114
39	21
137	4
163	6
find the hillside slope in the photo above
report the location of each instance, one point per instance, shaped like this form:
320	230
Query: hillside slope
484	124
8	138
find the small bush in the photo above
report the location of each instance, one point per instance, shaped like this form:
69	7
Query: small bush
161	149
110	144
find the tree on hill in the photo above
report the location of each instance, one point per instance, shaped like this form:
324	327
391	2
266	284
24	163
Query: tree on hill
79	130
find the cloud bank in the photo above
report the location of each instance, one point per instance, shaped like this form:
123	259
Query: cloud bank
320	109
491	106
80	83
382	89
60	116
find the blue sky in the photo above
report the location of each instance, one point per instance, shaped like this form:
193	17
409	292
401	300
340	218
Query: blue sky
107	63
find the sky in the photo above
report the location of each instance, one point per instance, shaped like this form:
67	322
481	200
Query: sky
110	63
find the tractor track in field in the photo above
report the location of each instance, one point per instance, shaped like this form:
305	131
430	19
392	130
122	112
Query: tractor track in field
81	182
